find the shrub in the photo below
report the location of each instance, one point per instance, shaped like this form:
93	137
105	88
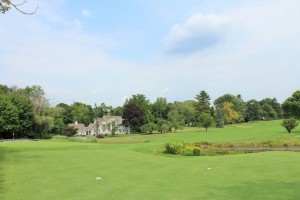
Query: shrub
174	147
192	151
100	135
69	131
289	124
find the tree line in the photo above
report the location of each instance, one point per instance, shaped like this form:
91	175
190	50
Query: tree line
26	112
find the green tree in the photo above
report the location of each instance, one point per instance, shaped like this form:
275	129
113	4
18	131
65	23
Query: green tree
133	116
203	105
160	108
206	120
253	110
230	115
141	101
38	99
289	124
69	131
238	106
291	106
66	113
275	105
268	112
219	118
9	120
149	128
82	113
118	111
113	127
176	120
102	110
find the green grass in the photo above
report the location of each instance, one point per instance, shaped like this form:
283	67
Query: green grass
131	167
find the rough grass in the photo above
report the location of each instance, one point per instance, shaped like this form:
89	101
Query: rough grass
59	169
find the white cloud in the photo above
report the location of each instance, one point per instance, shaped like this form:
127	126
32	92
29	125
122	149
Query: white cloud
197	33
77	24
85	12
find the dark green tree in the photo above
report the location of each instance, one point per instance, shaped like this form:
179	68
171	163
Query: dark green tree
275	105
203	105
141	101
291	106
253	110
289	124
133	116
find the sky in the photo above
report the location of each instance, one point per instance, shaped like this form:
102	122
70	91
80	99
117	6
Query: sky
96	51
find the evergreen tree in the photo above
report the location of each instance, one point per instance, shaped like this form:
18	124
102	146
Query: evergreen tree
219	118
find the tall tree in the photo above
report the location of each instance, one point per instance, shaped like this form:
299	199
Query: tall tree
142	101
275	105
291	106
102	110
219	118
133	116
206	120
160	108
237	106
82	113
253	110
203	105
37	96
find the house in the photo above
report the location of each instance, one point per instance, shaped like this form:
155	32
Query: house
104	125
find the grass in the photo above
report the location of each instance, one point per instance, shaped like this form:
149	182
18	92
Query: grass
131	167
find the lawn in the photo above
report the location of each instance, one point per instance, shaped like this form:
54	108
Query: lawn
133	167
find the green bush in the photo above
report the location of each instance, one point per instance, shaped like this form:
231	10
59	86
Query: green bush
174	147
100	135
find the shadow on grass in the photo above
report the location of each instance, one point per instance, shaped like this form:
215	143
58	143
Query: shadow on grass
260	190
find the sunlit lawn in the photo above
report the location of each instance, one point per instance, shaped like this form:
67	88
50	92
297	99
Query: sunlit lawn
133	167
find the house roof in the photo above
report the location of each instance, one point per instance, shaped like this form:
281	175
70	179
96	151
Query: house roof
109	119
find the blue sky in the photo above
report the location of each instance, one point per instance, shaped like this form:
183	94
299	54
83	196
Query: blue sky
104	51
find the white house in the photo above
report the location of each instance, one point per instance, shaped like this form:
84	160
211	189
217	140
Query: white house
102	125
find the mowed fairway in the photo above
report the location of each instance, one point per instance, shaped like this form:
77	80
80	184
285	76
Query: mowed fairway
132	167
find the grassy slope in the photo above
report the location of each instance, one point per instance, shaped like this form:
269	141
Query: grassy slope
66	170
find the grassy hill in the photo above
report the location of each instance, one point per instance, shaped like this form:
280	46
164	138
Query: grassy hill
133	167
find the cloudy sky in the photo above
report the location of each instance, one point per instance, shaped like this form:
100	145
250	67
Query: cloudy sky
96	51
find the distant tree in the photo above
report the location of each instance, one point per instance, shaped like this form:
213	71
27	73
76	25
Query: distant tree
186	110
163	126
38	99
206	120
253	110
82	113
219	118
149	128
160	108
203	105
118	111
133	116
275	105
102	110
291	106
42	126
289	124
176	120
9	119
230	115
237	105
69	131
142	101
66	113
268	112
